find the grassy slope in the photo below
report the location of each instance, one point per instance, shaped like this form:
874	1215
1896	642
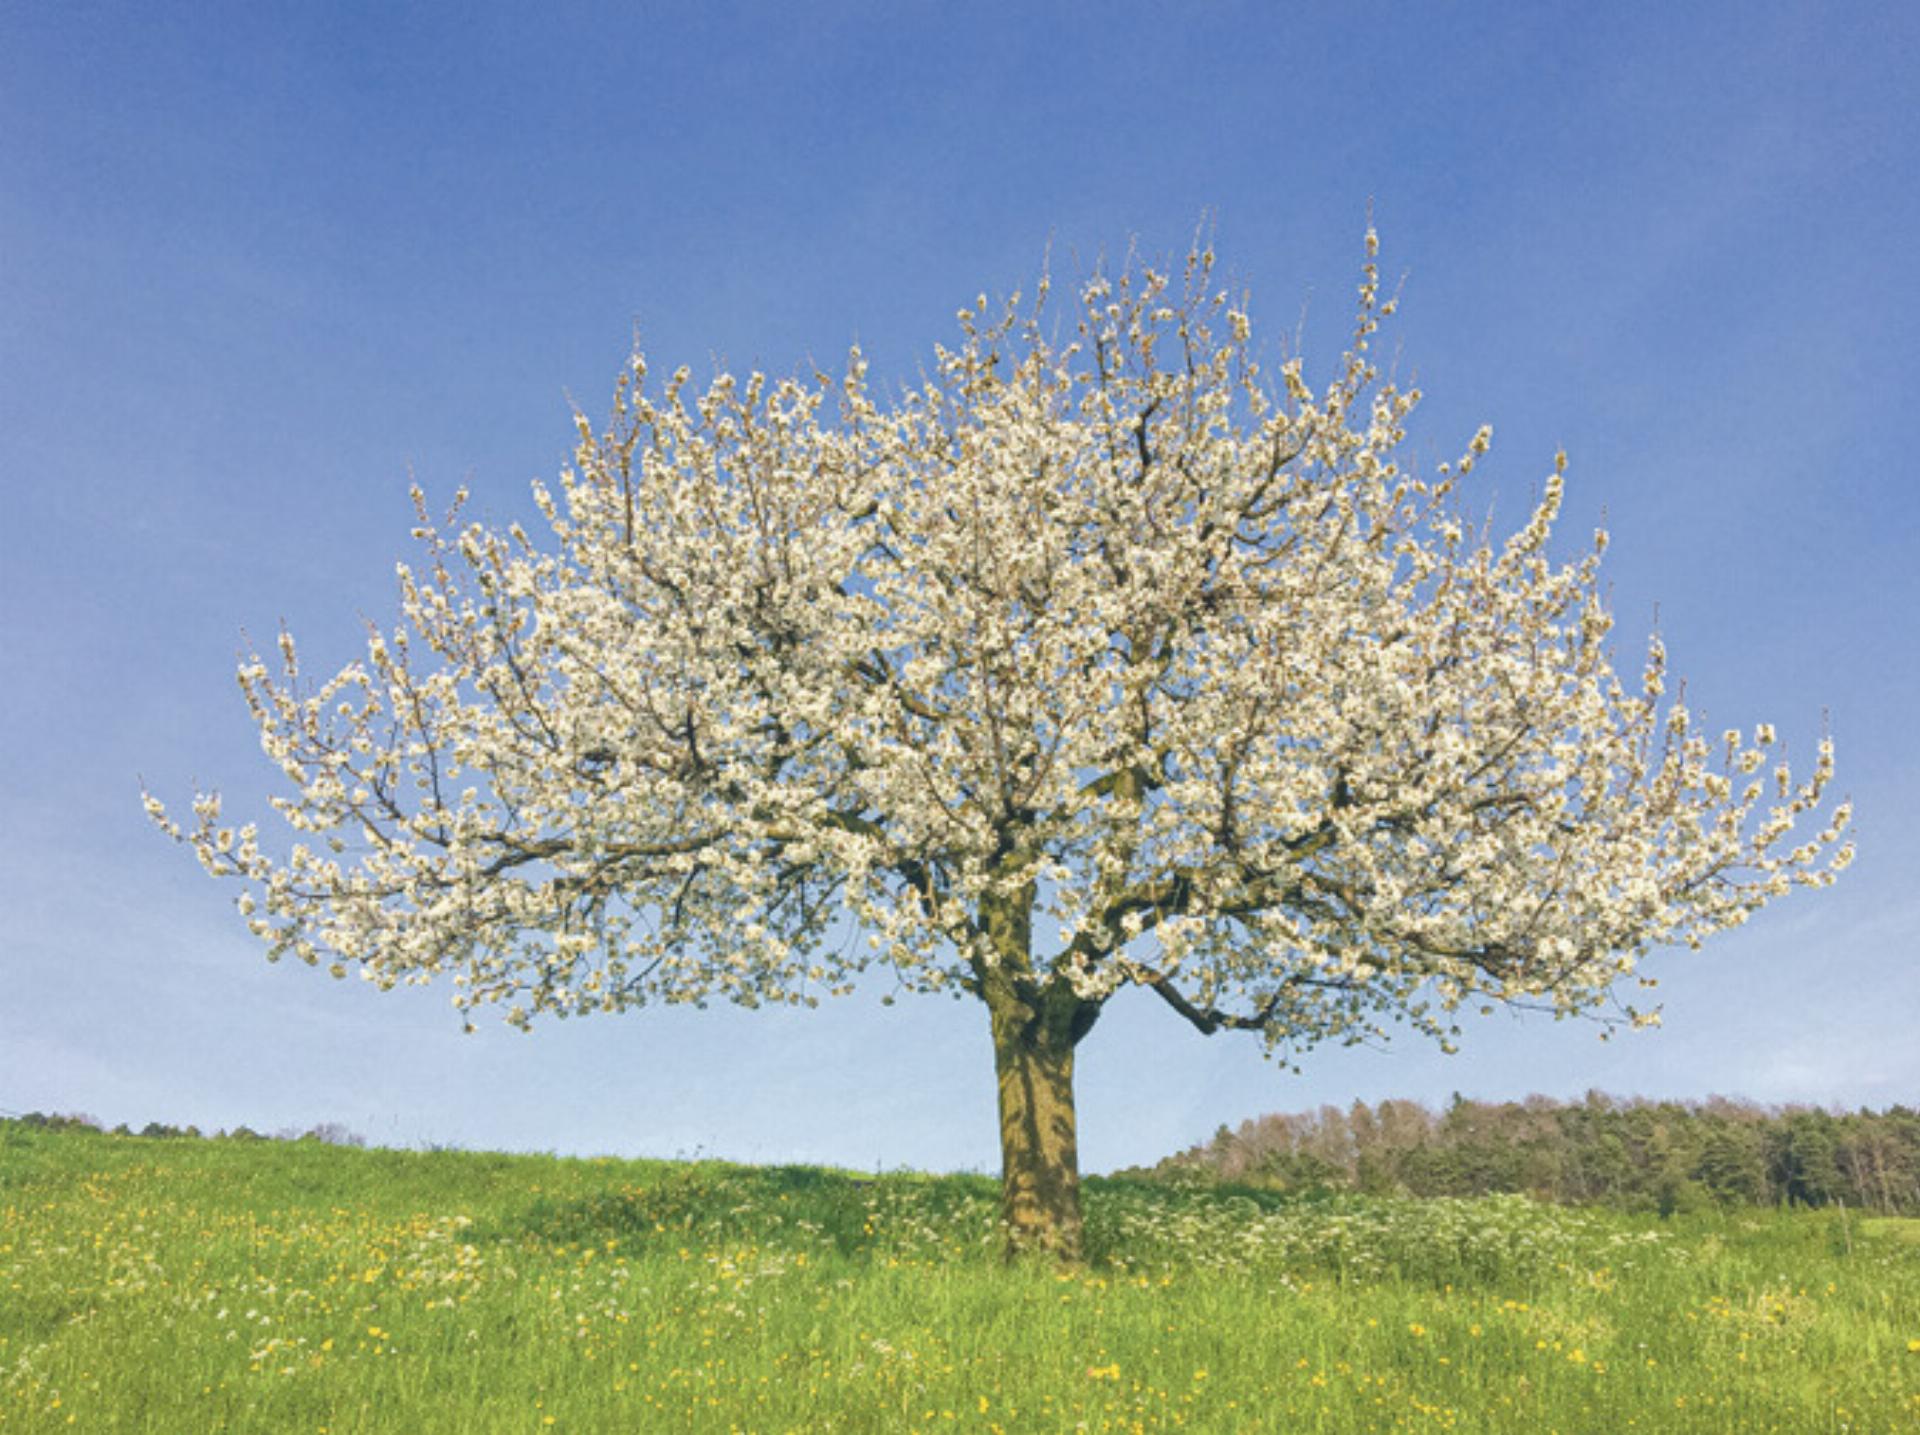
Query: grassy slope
174	1286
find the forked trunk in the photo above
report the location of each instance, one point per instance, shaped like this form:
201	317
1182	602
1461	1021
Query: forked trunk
1040	1171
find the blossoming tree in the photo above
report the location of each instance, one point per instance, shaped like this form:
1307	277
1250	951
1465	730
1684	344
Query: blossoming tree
1099	660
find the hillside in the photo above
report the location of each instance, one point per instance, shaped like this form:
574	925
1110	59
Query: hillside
170	1284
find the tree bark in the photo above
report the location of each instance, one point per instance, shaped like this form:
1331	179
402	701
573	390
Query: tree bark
1036	1026
1040	1160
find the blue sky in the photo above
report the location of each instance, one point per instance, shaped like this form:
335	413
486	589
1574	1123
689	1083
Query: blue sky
262	266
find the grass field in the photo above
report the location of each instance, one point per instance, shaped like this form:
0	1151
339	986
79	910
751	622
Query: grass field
180	1286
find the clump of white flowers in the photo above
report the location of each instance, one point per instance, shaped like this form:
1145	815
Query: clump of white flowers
1109	639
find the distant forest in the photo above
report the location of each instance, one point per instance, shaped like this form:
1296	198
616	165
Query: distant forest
1637	1154
1602	1150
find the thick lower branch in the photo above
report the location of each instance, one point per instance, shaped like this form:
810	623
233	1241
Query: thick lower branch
1210	1019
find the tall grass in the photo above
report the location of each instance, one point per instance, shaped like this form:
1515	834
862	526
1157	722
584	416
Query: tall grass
176	1286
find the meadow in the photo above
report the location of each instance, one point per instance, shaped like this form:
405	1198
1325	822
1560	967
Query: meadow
173	1285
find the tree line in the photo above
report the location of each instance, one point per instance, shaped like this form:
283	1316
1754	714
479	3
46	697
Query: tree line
328	1133
1633	1153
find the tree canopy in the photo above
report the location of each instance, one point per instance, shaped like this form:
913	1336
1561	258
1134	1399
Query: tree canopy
1102	657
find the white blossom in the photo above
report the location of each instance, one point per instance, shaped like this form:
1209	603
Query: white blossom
1104	628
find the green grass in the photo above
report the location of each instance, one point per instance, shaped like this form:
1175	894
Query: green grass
186	1286
1905	1229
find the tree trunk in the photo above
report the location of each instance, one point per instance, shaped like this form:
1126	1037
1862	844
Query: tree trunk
1040	1161
1036	1025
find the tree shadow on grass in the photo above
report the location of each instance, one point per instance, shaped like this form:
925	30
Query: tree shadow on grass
772	1208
